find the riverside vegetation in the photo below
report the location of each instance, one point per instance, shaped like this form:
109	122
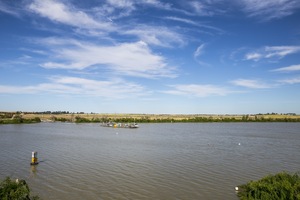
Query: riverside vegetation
17	118
11	190
63	116
281	186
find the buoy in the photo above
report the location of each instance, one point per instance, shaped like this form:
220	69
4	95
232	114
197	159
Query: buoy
239	144
236	188
34	160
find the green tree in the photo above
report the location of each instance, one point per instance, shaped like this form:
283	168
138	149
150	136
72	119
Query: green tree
281	186
11	190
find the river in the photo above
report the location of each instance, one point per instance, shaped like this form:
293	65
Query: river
155	161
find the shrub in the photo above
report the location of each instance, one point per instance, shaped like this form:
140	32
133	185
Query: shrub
281	186
10	190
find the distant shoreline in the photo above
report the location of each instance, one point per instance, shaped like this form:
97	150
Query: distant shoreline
28	117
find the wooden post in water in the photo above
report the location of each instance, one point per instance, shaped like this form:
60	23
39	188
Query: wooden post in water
34	160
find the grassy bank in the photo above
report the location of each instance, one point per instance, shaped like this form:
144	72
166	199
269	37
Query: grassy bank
16	118
140	118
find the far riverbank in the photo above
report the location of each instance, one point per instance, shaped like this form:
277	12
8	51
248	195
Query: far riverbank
30	117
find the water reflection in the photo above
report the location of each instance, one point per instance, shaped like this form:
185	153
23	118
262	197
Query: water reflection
33	170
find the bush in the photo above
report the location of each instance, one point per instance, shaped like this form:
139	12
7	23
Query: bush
10	190
281	186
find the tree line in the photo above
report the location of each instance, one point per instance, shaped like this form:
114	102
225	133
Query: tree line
79	119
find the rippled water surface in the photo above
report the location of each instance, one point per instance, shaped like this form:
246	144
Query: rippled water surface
155	161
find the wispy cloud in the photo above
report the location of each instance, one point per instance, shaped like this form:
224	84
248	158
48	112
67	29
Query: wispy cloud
198	7
116	9
126	59
179	19
291	68
290	80
121	3
199	51
9	10
58	12
194	23
251	83
269	52
194	90
253	56
269	9
156	3
80	86
281	51
204	8
154	35
99	21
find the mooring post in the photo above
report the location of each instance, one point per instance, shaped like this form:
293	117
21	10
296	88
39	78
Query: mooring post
34	160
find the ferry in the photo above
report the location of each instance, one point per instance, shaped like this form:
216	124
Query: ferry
120	125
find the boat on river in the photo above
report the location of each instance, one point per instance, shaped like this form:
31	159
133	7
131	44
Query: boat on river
133	125
120	125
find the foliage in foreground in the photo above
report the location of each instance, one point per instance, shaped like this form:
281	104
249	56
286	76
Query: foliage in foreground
281	186
11	190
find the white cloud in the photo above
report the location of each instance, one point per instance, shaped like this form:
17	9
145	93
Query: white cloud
187	21
121	3
199	51
86	23
8	10
253	56
112	89
269	52
131	4
127	59
116	9
250	83
159	36
269	9
291	80
195	90
6	89
59	12
202	8
194	23
280	51
156	3
291	68
198	6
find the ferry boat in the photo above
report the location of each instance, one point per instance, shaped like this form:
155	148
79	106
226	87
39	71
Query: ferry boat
134	125
120	125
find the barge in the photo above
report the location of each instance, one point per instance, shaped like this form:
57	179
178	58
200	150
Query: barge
120	125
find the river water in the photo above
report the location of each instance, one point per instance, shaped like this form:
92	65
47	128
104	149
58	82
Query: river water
155	161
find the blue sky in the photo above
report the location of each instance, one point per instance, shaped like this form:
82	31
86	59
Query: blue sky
150	56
